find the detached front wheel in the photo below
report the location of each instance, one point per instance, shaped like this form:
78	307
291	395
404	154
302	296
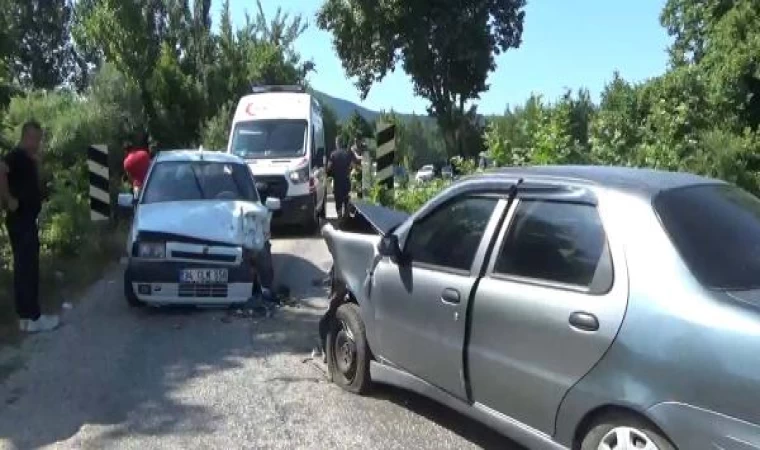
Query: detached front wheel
348	353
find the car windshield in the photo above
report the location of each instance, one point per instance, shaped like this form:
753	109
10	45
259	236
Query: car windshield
279	138
172	181
716	229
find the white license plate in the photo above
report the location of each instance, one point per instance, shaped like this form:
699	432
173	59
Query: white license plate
204	276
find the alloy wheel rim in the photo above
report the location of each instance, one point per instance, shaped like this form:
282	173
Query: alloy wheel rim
626	438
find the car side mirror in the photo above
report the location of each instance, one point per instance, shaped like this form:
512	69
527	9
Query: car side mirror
389	247
273	203
127	201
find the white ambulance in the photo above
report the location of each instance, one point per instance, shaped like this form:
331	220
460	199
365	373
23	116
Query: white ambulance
279	131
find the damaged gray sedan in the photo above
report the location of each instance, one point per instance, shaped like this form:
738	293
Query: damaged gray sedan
200	234
589	308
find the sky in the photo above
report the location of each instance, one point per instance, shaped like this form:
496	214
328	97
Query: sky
566	44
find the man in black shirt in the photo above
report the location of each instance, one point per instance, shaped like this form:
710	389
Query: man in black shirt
342	160
21	196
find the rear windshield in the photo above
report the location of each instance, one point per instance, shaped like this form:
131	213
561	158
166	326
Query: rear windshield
716	229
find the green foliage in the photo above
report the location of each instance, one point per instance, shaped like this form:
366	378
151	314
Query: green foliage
409	199
543	133
71	124
447	55
185	74
330	124
216	130
44	55
419	140
356	127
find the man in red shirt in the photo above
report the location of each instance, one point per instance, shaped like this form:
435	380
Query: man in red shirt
137	163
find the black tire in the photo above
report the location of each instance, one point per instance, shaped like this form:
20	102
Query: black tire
348	355
323	210
312	226
129	292
602	428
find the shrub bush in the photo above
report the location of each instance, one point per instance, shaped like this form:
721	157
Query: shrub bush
72	123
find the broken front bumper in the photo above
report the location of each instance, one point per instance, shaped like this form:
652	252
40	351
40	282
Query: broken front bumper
158	282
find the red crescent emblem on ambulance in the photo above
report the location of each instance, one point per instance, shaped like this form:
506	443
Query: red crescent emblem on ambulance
248	110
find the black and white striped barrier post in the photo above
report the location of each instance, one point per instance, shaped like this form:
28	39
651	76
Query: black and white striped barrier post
386	154
100	185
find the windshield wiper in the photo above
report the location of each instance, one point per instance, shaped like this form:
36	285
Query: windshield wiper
239	188
198	182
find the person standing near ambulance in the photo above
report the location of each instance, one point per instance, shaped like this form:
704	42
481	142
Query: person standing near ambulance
341	163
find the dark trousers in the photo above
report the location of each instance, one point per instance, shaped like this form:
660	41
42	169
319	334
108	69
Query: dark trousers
341	202
25	244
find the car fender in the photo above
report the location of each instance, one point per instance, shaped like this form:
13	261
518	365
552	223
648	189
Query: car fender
354	259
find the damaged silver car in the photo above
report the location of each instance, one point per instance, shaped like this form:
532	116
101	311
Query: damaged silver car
573	307
200	233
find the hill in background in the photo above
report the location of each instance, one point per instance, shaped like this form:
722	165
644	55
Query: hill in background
344	108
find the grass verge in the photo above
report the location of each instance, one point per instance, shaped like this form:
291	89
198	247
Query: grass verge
63	279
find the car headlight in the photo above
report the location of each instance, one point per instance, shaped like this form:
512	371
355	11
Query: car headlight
151	250
299	175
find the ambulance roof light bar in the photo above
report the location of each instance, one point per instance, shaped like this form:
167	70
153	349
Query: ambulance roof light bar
260	89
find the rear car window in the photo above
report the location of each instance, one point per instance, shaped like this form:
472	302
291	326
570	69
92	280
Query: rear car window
716	229
557	242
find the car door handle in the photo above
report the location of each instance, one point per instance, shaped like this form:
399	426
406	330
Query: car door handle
450	295
584	321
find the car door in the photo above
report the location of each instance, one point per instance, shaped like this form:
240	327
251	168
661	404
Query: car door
421	302
548	308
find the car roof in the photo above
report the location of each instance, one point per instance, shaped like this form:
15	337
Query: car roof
642	181
197	156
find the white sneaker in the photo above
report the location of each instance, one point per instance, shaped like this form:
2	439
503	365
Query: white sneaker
44	323
23	324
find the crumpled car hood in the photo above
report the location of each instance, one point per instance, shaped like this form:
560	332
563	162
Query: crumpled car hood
380	218
355	253
354	256
230	222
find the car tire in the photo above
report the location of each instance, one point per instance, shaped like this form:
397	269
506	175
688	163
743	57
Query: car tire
348	353
611	428
312	226
129	292
323	210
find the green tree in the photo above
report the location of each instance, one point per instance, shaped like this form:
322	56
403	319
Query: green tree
615	132
448	55
330	124
689	23
43	55
356	126
127	33
731	66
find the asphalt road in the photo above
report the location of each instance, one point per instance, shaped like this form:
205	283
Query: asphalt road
112	377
